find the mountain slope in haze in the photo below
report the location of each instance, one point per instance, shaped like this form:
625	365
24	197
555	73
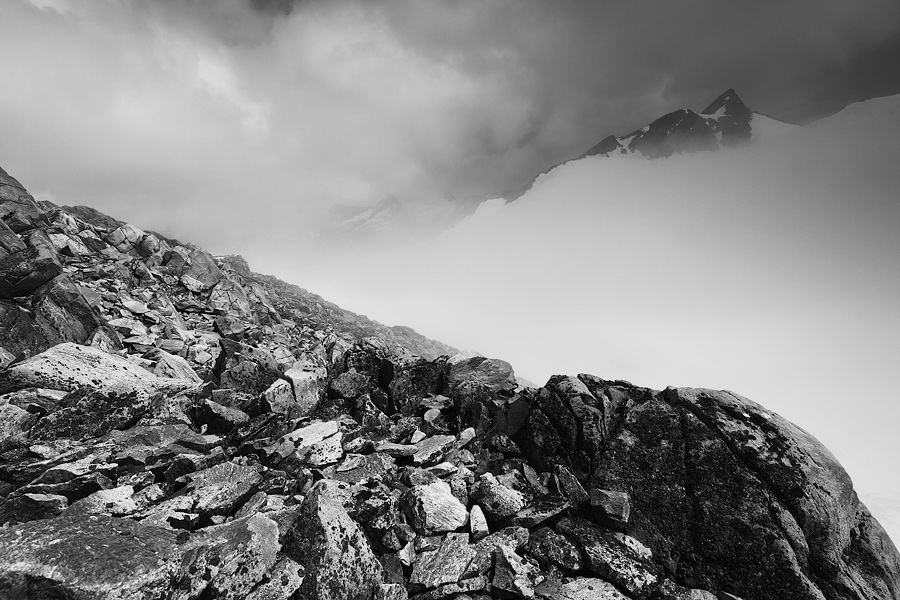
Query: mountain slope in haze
726	122
178	427
768	269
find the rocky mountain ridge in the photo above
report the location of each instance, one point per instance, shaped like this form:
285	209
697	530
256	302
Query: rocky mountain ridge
726	122
177	426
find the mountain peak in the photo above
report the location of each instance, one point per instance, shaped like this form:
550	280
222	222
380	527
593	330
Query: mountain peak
730	101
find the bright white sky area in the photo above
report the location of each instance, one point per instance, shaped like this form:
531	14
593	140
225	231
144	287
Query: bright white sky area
772	271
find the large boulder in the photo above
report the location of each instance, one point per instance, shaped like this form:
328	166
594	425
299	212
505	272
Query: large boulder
70	367
732	497
25	271
17	208
247	369
89	557
196	269
96	557
332	548
58	312
492	373
10	243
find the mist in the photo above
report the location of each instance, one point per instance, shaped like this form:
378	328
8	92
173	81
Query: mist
769	270
255	118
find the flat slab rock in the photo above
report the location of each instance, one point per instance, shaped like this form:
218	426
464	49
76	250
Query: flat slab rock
69	366
582	588
221	489
87	557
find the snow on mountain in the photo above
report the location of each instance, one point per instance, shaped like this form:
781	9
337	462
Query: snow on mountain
767	268
726	122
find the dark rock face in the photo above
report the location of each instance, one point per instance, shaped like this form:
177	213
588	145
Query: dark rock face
732	118
726	122
679	131
177	426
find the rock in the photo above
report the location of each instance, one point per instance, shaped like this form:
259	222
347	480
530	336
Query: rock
582	588
453	589
27	270
610	558
669	590
357	468
284	579
570	486
171	366
230	560
390	591
62	312
351	385
307	379
396	450
539	511
85	414
445	565
328	543
611	508
553	549
228	297
511	538
514	574
21	508
10	243
318	444
135	307
14	422
195	264
247	369
125	238
89	557
430	450
492	373
433	508
304	436
70	366
115	502
229	326
497	500
221	489
218	418
477	523
755	477
93	217
6	358
299	392
415	378
17	208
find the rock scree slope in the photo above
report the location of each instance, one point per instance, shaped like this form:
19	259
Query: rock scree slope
175	426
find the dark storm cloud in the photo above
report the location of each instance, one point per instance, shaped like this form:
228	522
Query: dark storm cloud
595	68
197	105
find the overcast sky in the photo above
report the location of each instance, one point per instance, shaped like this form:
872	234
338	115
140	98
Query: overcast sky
254	115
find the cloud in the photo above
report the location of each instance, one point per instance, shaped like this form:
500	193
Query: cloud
252	116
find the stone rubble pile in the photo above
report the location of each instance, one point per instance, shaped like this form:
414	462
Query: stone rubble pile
175	426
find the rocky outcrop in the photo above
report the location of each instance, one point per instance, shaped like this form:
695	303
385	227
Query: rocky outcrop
176	426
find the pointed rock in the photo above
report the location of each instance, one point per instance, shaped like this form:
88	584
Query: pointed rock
433	508
332	548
